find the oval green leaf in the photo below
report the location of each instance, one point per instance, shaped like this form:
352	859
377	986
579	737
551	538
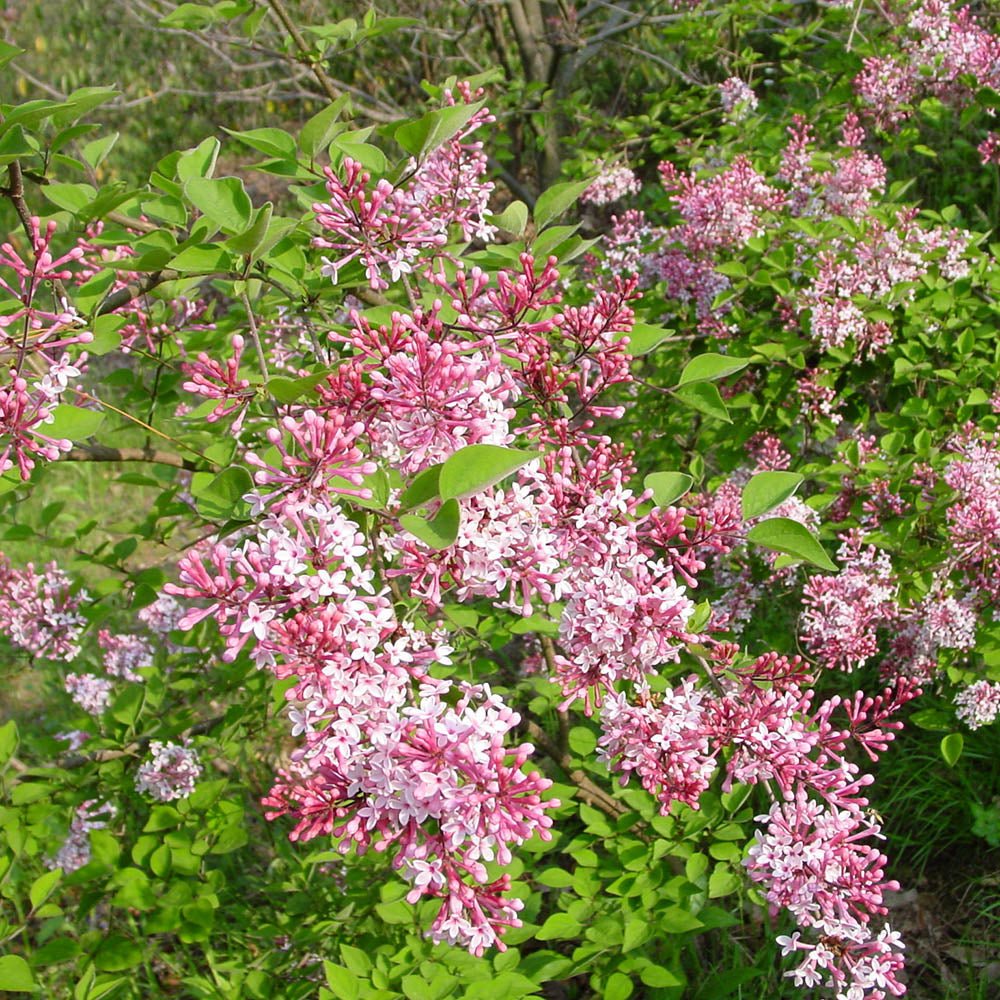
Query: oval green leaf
73	422
224	201
667	486
767	490
951	748
782	534
476	468
705	398
556	200
15	975
440	531
709	367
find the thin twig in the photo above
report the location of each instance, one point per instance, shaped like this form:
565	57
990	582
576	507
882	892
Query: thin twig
103	453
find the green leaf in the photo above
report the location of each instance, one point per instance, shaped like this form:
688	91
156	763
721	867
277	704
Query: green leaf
71	197
209	258
951	748
287	390
190	16
318	132
705	398
722	882
198	162
106	337
556	878
659	977
618	987
667	487
677	920
709	367
637	931
933	719
77	104
767	490
643	337
356	960
559	927
15	975
370	157
42	887
423	488
220	497
556	200
162	818
16	144
8	741
73	422
536	623
54	951
343	982
477	467
224	201
8	52
96	151
270	141
440	531
436	127
127	706
117	953
246	243
512	219
582	741
29	114
782	534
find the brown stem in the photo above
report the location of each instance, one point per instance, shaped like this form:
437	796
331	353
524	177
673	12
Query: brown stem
134	289
591	793
102	453
305	55
15	192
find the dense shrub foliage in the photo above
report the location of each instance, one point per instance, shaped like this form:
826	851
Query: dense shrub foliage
542	542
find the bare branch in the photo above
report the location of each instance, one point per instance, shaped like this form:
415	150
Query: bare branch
102	453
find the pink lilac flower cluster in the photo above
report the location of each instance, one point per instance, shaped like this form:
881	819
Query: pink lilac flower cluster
719	213
451	185
738	100
819	400
75	851
311	592
40	335
989	149
812	856
938	621
978	704
40	612
973	516
873	268
162	616
940	45
35	331
848	189
388	228
842	613
612	183
90	692
125	654
841	276
169	773
222	382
